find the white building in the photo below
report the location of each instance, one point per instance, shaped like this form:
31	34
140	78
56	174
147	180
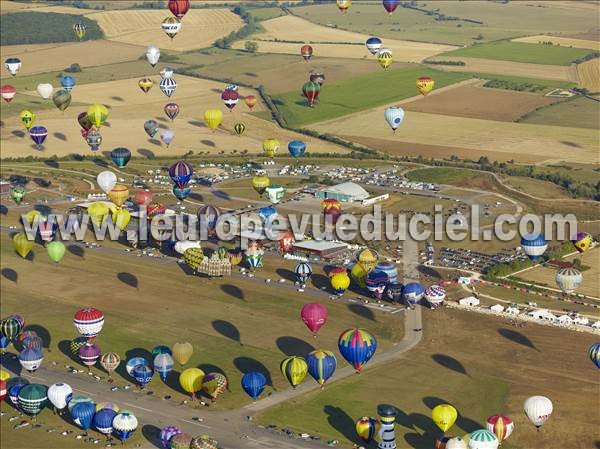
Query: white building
469	301
581	320
512	310
497	308
596	325
345	192
565	320
541	314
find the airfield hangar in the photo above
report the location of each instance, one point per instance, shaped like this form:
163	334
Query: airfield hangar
346	192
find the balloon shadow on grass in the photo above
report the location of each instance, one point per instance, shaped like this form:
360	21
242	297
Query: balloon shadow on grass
342	422
146	153
152	435
428	271
449	362
18	133
208	143
294	346
76	157
428	431
76	250
196	196
155	142
320	281
10	362
43	333
60	136
210	368
227	329
221	195
172	381
233	291
517	337
10	274
362	311
51	163
36	147
247	364
41	182
100	162
403	419
3	209
128	279
286	274
197	123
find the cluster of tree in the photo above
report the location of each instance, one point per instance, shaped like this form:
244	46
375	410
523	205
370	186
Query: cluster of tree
506	268
73	68
33	27
513	85
76	4
593	55
438	62
436	14
249	28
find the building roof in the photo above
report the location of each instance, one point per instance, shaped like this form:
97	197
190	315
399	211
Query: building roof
87	204
320	245
349	188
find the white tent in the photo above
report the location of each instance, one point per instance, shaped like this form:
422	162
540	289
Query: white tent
469	301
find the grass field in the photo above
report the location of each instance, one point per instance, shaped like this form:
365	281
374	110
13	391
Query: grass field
346	97
521	52
589	75
457	373
560	41
536	187
579	112
548	84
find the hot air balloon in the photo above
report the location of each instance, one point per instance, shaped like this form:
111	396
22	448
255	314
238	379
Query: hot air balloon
179	7
94	139
75	344
13	65
594	353
582	241
180	441
32	399
120	217
412	293
89	322
235	256
230	98
321	365
110	361
80	29
275	193
303	273
68	83
376	282
385	58
166	434
8	93
181	193
182	352
27	118
390	5
250	101
260	183
106	180
317	77
340	283
151	127
143	198
267	213
373	45
270	147
286	240
59	395
97	114
171	26
357	346
119	194
297	148
314	316
534	245
232	87
253	384
168	86
142	373
538	409
181	172
359	275
44	90
89	354
133	362
171	110
152	55
294	370
145	84
23	246
444	416
568	279
32	342
483	439
208	216
163	364
311	91
367	428
425	84
38	134
389	269
254	258
239	128
103	420
31	359
83	120
17	194
14	386
214	384
4	342
56	251
124	424
120	156
435	296
82	414
213	118
501	426
306	51
332	210
166	72
155	209
161	349
97	211
394	116
455	443
343	5
191	380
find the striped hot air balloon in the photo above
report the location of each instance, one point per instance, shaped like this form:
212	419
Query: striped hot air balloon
250	101
163	364
321	365
124	424
569	279
110	361
376	282
103	420
89	322
367	428
412	293
179	7
357	346
311	91
294	370
303	272
435	296
168	86
483	439
181	172
534	245
31	359
208	216
239	128
171	110
80	29
171	26
501	426
389	269
120	156
38	134
89	354
594	353
32	399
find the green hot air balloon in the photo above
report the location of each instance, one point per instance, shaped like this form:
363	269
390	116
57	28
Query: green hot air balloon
11	327
33	398
17	193
56	251
61	99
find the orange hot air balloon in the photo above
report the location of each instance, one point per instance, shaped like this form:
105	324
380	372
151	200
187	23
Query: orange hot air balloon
306	51
250	101
425	84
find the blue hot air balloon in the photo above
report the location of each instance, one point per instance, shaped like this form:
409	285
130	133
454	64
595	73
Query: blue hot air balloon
103	420
376	282
120	156
266	212
297	148
181	172
4	342
373	44
14	387
412	293
163	364
534	245
38	134
388	268
357	346
133	362
181	193
161	349
594	353
253	384
143	374
83	413
68	83
321	365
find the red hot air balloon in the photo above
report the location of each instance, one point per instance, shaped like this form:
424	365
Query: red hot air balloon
143	198
306	51
89	322
332	209
311	91
286	240
179	7
314	316
390	5
230	98
7	92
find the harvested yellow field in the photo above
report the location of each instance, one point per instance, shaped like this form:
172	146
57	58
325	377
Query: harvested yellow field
129	108
543	71
200	27
589	75
562	41
475	134
291	28
10	6
42	58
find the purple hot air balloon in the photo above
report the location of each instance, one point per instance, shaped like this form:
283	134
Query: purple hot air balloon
167	433
89	354
38	134
390	5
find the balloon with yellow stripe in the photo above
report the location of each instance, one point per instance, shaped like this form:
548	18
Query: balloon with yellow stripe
97	114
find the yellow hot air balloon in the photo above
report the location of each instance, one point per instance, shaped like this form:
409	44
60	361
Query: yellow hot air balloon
27	118
193	257
22	244
118	194
260	184
385	57
294	370
97	114
97	211
33	215
120	217
270	147
182	352
213	118
444	416
340	283
145	84
191	380
4	375
367	258
425	84
359	275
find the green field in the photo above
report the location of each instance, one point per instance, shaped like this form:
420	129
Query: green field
266	13
522	52
44	27
578	112
356	94
547	84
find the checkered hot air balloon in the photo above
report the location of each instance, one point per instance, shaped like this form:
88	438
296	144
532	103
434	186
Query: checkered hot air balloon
203	442
181	173
214	384
168	86
582	241
230	98
89	322
75	344
357	346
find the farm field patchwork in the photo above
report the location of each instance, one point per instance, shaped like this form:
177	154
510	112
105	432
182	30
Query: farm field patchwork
578	112
560	41
589	75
